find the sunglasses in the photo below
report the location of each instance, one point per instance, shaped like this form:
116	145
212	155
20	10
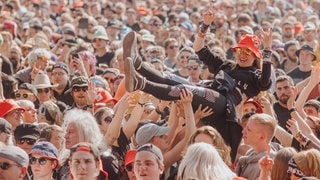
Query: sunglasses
24	95
58	73
5	165
109	79
108	119
129	167
193	68
172	47
246	51
41	160
78	89
28	141
75	56
46	90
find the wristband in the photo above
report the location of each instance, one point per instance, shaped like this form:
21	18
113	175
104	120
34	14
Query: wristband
158	110
302	139
89	106
204	28
292	110
266	54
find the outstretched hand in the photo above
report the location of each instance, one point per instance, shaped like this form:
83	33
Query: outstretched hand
266	163
202	112
293	126
292	98
208	15
186	96
266	38
315	74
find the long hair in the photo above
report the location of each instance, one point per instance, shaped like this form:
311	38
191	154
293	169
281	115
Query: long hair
202	161
280	166
218	142
309	162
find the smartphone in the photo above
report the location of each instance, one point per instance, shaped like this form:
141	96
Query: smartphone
83	23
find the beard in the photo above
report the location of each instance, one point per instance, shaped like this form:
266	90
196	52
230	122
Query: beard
284	99
80	101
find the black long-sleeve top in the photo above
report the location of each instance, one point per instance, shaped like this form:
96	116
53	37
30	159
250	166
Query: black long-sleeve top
249	80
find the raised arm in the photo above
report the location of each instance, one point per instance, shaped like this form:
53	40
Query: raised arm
174	154
305	92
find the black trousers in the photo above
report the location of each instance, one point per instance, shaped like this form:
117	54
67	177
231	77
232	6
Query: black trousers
167	86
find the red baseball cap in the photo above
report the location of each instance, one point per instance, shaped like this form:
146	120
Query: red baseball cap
252	42
256	104
7	106
130	157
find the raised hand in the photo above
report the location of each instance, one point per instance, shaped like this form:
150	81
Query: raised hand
292	98
208	15
186	96
315	74
293	126
266	39
266	163
203	112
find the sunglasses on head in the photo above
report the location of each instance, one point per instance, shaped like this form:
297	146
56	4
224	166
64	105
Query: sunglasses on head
193	68
129	167
5	165
28	141
46	90
41	160
108	119
23	95
78	89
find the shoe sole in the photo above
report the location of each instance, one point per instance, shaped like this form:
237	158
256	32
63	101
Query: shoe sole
128	42
129	72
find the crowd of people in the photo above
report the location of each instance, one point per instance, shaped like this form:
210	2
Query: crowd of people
154	89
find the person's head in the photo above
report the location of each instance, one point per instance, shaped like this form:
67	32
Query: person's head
89	60
100	38
53	134
202	161
290	48
104	117
280	164
43	160
248	51
129	162
312	107
39	58
183	55
80	126
12	112
211	136
148	162
284	89
259	130
79	88
60	74
171	47
50	113
26	135
314	124
26	91
43	85
194	67
306	55
287	29
251	106
30	113
5	131
13	163
305	163
84	161
154	134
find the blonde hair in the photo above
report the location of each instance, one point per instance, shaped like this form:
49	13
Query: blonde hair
218	142
202	161
309	162
268	122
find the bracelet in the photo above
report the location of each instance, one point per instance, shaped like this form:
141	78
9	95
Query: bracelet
158	110
141	104
266	54
201	35
292	110
89	106
204	28
301	138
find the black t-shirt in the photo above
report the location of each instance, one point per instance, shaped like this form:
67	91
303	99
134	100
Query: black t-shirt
297	75
282	115
105	59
